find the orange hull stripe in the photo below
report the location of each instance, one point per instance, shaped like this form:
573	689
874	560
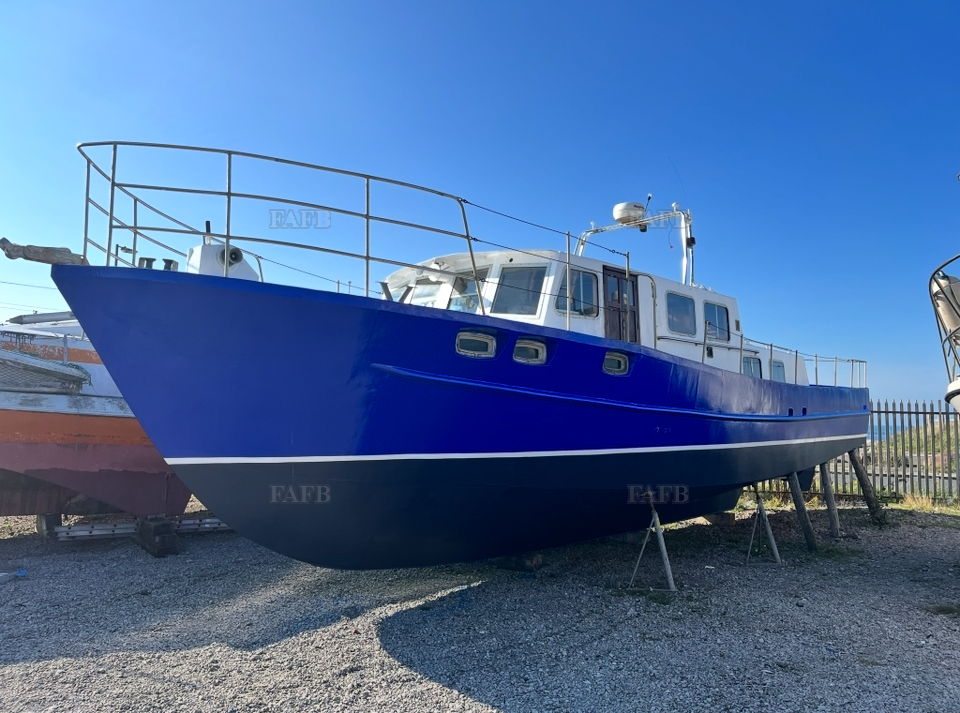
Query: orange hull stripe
54	353
36	427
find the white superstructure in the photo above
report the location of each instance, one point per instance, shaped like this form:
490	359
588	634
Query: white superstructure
686	320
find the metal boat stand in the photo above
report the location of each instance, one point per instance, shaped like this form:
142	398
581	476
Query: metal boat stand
657	529
761	516
158	536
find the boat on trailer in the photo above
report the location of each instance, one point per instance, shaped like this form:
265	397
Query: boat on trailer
483	403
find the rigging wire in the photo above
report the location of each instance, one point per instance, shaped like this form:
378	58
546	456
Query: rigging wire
343	283
17	304
513	217
24	284
537	225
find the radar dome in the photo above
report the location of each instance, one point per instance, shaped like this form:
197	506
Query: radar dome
628	213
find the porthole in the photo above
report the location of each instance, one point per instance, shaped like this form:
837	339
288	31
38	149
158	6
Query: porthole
614	363
475	344
530	351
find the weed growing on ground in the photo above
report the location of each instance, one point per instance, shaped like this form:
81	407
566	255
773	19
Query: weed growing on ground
772	501
924	503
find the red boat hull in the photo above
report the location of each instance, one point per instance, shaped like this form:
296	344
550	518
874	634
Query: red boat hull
58	462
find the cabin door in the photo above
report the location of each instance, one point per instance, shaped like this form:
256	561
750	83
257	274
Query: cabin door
620	305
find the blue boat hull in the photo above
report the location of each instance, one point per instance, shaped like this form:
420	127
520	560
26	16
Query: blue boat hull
347	432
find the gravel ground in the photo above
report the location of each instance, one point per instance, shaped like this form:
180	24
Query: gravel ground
869	624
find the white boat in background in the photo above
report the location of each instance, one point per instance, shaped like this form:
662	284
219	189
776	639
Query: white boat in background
68	441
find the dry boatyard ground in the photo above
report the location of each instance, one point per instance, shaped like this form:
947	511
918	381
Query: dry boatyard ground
868	624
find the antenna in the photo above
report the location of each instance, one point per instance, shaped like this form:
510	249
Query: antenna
634	215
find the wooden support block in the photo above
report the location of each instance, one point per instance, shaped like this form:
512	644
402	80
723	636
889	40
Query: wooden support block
827	487
47	524
157	536
802	515
866	487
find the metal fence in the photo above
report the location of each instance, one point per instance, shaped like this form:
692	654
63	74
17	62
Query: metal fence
912	448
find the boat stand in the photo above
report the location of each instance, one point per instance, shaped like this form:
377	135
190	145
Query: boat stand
761	515
657	529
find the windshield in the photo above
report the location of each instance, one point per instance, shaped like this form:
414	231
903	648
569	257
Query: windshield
465	297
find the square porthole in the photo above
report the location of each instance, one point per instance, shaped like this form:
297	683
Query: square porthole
476	344
530	351
616	363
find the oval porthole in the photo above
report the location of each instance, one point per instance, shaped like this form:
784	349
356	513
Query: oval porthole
530	351
475	344
615	363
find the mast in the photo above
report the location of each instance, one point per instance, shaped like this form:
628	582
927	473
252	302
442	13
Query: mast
633	215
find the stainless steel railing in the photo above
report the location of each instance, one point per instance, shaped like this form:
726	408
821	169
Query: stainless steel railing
160	236
229	195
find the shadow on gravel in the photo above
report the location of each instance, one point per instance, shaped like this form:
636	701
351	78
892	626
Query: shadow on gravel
98	598
571	633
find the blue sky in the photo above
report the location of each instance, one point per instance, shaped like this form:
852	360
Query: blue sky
816	143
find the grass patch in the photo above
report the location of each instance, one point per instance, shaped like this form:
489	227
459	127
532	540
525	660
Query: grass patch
772	501
952	610
924	503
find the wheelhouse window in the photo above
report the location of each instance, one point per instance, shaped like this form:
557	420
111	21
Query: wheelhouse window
584	297
465	296
751	367
476	344
615	363
681	314
398	294
718	321
519	290
778	372
530	351
425	293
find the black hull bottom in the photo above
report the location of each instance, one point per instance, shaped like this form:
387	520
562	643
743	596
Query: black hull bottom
369	514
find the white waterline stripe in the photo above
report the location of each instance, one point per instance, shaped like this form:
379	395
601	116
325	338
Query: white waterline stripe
501	454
